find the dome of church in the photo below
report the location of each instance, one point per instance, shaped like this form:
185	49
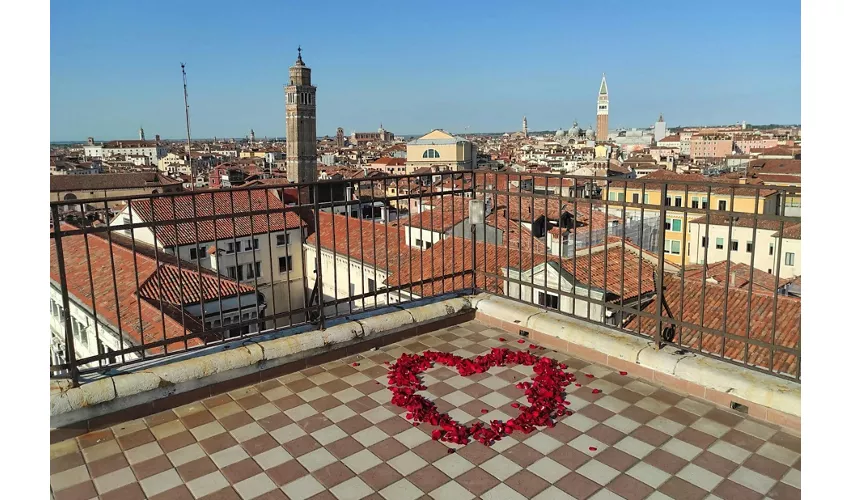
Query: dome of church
574	130
560	133
589	133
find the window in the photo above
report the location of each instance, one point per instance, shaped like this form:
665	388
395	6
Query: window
721	205
789	258
705	203
419	243
234	272
672	247
282	239
371	284
667	201
770	249
621	196
719	244
704	241
431	153
194	253
749	247
284	263
548	300
678	201
237	247
694	202
351	290
645	198
635	198
428	245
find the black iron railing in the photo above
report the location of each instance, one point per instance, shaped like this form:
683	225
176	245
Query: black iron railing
705	265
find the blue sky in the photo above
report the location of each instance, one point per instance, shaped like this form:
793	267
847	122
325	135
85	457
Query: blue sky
417	66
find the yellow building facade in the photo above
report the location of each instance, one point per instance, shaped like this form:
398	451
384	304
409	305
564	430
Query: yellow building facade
676	242
441	149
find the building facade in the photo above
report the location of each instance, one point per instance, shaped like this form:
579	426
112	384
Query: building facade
300	124
261	252
442	150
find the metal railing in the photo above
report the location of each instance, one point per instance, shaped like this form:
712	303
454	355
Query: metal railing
698	265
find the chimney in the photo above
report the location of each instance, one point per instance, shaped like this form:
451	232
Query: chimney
732	281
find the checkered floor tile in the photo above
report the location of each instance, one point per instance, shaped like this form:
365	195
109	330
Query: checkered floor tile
331	432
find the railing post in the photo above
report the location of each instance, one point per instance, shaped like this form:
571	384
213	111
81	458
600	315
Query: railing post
472	233
659	278
70	357
319	289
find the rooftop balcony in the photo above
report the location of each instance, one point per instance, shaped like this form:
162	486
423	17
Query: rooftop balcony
179	374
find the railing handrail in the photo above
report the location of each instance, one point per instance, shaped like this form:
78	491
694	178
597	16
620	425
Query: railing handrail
460	185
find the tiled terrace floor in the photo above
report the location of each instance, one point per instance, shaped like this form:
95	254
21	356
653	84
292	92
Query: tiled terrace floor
330	432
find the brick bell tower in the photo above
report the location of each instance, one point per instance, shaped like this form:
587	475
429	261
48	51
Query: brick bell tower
602	112
300	124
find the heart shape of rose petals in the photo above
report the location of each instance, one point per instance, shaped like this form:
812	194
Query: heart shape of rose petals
544	393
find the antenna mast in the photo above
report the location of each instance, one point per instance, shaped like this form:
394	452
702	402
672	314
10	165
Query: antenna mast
188	134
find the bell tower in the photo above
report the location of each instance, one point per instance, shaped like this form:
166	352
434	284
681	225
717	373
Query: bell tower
300	124
602	111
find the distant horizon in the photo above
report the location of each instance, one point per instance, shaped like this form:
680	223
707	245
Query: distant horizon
322	136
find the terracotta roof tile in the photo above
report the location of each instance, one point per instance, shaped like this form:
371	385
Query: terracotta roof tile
760	322
216	203
153	323
380	245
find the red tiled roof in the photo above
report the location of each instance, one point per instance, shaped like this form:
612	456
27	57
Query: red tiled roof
762	282
454	255
776	166
390	161
761	322
147	298
448	211
380	245
790	230
669	177
219	204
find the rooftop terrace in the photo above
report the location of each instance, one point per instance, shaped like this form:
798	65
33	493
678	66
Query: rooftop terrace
331	432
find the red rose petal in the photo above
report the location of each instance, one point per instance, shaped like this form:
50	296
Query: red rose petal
578	385
588	375
502	339
355	364
543	392
450	451
520	341
592	448
624	373
596	391
532	346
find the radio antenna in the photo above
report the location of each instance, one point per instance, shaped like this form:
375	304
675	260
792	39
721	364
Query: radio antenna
188	133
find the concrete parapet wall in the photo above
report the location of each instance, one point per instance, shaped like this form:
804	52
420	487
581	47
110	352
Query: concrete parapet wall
70	405
767	397
191	375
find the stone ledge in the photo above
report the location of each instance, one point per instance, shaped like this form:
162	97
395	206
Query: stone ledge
768	398
128	390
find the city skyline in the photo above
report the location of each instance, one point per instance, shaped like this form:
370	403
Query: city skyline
236	79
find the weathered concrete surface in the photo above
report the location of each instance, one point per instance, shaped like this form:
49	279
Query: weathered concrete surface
69	405
759	388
